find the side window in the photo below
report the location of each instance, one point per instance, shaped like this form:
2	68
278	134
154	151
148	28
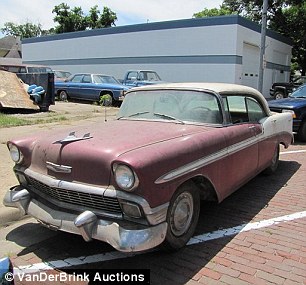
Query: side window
243	109
77	78
86	79
14	69
142	76
254	110
237	109
132	75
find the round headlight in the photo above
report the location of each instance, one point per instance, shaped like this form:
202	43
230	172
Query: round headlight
16	155
125	177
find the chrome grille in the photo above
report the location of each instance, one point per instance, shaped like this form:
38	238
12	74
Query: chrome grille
94	201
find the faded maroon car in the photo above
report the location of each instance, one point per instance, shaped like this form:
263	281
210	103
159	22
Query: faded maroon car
136	182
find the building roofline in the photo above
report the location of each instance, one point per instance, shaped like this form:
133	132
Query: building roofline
165	25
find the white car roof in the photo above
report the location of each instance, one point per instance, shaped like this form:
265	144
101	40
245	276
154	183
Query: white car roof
221	88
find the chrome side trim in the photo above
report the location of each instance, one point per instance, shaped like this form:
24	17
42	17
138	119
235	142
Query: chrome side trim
199	163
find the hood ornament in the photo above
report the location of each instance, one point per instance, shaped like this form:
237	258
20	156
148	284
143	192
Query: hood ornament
72	138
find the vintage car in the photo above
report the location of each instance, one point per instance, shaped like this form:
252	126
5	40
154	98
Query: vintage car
90	87
136	182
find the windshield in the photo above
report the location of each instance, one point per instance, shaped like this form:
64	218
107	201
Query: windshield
105	79
171	105
300	92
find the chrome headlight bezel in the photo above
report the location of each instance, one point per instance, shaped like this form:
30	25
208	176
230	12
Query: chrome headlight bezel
125	177
15	153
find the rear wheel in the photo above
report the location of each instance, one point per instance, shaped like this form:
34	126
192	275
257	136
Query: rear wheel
182	217
274	163
63	96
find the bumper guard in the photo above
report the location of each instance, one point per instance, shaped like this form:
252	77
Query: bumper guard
86	224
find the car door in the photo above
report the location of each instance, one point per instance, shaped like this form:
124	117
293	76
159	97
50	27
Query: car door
131	78
241	136
261	122
74	86
88	89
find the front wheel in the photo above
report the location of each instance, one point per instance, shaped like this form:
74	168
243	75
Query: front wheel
106	100
182	217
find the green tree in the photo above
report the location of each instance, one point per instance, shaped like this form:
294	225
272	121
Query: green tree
96	20
292	23
71	20
27	30
223	10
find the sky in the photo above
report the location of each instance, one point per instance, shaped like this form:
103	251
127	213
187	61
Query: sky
128	12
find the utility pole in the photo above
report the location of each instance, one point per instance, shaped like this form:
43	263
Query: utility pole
262	44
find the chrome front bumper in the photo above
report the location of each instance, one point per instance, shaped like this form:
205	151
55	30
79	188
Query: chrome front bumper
87	224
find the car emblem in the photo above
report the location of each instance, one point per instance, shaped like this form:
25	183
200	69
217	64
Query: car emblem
58	168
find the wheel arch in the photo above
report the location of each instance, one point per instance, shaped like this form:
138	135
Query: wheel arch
107	91
280	89
60	90
205	187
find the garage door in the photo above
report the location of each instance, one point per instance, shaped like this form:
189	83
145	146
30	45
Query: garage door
250	65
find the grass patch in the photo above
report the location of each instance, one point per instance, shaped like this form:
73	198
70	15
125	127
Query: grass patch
7	121
10	121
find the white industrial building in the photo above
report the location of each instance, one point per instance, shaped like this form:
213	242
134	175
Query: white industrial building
215	49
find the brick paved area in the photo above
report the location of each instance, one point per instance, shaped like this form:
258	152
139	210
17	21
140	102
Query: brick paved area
275	254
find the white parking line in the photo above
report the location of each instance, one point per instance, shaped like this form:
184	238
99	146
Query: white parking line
292	151
32	268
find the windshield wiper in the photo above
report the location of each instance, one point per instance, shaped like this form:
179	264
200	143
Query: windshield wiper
133	115
169	117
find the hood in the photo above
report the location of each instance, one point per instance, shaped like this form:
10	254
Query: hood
90	158
287	103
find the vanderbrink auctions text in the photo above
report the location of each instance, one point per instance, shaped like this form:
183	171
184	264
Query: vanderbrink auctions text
108	276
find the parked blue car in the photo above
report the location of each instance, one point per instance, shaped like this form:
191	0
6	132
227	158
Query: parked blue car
295	104
90	87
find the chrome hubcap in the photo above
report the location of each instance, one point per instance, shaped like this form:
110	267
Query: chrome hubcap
181	214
